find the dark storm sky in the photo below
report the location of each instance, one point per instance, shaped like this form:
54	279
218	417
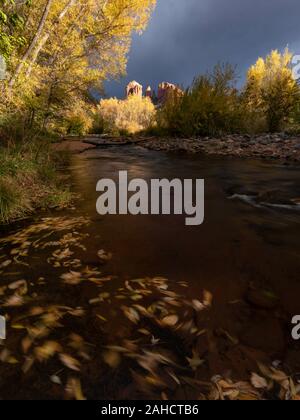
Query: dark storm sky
187	37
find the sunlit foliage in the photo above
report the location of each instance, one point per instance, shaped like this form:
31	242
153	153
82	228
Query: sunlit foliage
11	25
271	89
213	106
210	107
131	115
69	49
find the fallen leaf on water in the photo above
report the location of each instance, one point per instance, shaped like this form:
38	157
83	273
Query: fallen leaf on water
174	377
154	341
36	311
208	298
143	311
56	380
38	331
112	358
150	361
72	278
12	360
131	314
2	290
17	284
78	312
14	301
195	361
226	334
104	256
26	344
61	255
164	396
155	381
70	362
94	301
144	331
7	357
76	341
118	349
136	298
170	320
276	375
258	382
234	391
101	318
5	264
104	296
74	389
18	327
197	305
29	362
48	350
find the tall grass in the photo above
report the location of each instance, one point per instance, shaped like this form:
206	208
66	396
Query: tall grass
29	179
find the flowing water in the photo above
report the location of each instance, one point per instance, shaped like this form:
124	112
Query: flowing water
243	263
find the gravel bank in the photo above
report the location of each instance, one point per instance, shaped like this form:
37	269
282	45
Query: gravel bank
269	146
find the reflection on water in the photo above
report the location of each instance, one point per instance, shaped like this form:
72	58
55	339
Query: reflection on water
143	294
235	235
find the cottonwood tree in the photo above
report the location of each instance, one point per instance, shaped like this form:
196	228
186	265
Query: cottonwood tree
271	89
72	47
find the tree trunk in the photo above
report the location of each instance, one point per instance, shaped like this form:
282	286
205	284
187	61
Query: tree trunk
45	38
33	43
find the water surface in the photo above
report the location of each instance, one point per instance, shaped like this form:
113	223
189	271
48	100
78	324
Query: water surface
246	247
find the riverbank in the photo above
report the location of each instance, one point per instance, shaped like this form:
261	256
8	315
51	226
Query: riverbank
30	179
280	146
269	146
72	145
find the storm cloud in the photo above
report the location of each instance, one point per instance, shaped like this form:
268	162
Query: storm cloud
188	37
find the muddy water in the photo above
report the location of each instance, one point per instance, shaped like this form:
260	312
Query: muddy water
246	254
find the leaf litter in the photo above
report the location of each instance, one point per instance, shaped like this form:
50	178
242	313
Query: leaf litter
146	329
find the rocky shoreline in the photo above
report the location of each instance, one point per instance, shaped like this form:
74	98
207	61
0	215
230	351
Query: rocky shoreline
280	147
269	146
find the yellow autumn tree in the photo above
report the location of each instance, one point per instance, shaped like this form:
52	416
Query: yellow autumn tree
70	48
132	115
271	89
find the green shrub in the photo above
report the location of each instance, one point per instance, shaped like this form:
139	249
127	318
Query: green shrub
211	107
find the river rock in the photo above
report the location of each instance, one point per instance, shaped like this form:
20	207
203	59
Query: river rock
271	146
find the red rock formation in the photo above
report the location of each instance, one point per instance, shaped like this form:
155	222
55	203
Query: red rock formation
135	89
149	92
165	89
